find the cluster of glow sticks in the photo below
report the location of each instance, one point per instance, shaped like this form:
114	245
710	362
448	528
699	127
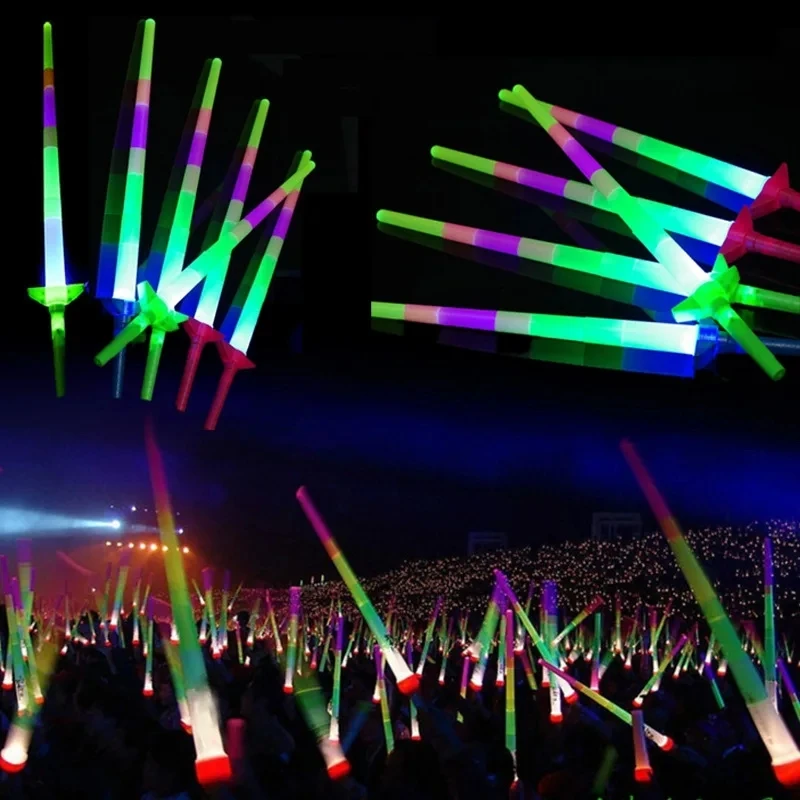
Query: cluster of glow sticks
162	291
694	296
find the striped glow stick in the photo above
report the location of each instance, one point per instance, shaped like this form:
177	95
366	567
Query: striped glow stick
590	609
291	640
412	708
407	681
55	295
770	673
659	671
156	307
14	642
642	771
511	702
772	729
549	628
212	765
734	238
707	297
122	577
240	322
659	336
541	645
147	689
171	239
207	576
635	271
597	645
429	635
337	677
386	717
659	739
222	643
788	684
768	193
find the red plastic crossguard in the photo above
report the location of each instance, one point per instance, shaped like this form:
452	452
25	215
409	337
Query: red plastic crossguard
743	239
200	335
234	360
776	193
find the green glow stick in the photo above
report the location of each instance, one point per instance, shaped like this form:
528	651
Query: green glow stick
770	670
386	717
291	640
208	587
706	296
407	681
176	673
55	295
212	764
579	618
337	678
429	635
772	729
610	266
736	179
787	684
511	706
659	671
122	577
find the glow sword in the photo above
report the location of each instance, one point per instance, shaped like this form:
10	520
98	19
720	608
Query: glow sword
202	310
240	322
56	294
122	218
174	226
156	307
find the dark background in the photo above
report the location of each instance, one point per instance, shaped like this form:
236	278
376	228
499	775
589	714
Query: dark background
406	445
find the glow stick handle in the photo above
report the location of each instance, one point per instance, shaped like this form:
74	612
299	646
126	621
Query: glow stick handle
642	772
590	609
407	681
541	645
772	729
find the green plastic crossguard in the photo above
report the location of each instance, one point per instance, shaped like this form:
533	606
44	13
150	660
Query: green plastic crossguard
56	299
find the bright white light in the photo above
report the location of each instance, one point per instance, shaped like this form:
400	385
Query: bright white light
116	524
185	549
133	508
108	544
180	530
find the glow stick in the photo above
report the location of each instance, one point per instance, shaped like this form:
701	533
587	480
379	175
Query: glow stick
176	673
171	240
240	322
659	671
528	669
485	640
312	706
636	271
273	622
511	707
465	662
147	689
208	587
291	643
596	647
706	296
502	583
663	742
337	677
789	686
658	336
642	771
222	643
200	598
14	642
156	308
734	238
549	628
122	577
768	193
590	609
407	681
429	635
772	729
770	673
212	765
55	295
386	718
709	673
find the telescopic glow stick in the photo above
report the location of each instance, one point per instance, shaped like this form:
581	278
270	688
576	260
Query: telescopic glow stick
511	703
772	729
659	671
579	618
172	233
207	576
240	322
707	296
291	642
222	643
635	271
212	765
788	684
642	771
56	294
386	717
155	308
201	307
407	681
663	742
312	706
122	219
541	645
500	673
734	239
176	673
767	193
483	643
274	624
770	673
14	642
549	628
597	644
122	577
147	689
718	699
337	678
429	635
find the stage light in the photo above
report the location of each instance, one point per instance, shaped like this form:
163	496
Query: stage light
185	549
164	548
116	524
154	547
133	508
119	544
142	546
16	521
130	545
180	530
108	544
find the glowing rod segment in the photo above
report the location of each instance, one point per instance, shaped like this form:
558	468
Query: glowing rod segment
202	309
770	673
772	729
706	296
789	686
511	702
291	640
337	678
122	577
542	646
768	193
172	234
635	271
590	609
55	295
407	681
642	772
657	673
240	322
662	336
429	635
157	307
735	238
212	764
